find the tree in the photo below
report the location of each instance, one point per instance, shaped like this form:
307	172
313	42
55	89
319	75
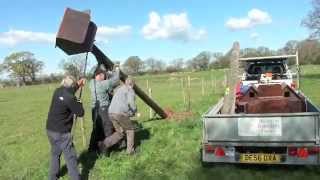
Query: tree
153	65
265	51
133	65
159	66
257	52
23	66
74	65
312	21
219	61
177	64
309	52
290	47
2	69
33	66
202	60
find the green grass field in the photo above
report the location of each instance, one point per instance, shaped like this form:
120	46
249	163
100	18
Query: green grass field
167	149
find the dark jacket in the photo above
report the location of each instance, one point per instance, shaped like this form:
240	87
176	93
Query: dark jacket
63	106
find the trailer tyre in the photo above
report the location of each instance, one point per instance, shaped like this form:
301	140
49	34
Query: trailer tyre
203	163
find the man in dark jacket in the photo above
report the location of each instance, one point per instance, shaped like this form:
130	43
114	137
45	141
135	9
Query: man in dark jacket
64	106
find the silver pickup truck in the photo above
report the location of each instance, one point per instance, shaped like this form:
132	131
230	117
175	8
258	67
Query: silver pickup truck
266	128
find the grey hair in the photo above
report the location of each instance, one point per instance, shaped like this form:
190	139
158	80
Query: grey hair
129	81
68	81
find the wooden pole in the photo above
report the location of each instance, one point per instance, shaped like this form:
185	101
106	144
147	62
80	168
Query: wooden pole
212	83
189	94
298	70
82	132
183	93
215	85
202	87
150	109
225	78
229	99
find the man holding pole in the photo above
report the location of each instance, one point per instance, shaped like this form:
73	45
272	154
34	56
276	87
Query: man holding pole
64	106
100	88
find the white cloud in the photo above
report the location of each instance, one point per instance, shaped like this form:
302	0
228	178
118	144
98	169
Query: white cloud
105	33
171	26
254	17
15	37
254	36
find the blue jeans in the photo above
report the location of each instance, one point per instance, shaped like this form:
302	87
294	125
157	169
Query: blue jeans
62	143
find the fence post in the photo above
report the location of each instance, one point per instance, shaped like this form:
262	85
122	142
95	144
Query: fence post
202	87
183	93
225	78
212	83
147	84
215	85
189	94
150	109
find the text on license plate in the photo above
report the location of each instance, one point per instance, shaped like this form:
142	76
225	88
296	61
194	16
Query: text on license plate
259	158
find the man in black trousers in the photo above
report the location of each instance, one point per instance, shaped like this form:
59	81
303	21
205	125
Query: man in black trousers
64	106
101	87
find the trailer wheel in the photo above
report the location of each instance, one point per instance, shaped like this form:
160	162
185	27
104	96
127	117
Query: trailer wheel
203	163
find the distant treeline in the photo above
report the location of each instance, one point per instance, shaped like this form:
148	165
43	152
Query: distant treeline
24	69
309	53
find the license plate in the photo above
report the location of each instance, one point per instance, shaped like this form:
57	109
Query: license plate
259	158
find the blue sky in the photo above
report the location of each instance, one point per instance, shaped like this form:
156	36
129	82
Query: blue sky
153	28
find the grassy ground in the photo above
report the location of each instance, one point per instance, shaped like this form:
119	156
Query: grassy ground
166	150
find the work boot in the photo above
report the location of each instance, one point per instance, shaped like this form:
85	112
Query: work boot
122	144
103	149
130	142
113	139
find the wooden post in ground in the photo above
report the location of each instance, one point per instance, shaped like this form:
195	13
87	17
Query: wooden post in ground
189	94
298	70
229	98
150	109
212	83
202	87
225	78
183	93
215	85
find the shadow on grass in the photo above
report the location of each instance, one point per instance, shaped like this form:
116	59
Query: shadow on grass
254	171
141	134
87	160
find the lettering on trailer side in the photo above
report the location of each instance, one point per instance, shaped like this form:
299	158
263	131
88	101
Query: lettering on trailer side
265	126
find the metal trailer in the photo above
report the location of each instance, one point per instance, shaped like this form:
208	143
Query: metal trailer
278	138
